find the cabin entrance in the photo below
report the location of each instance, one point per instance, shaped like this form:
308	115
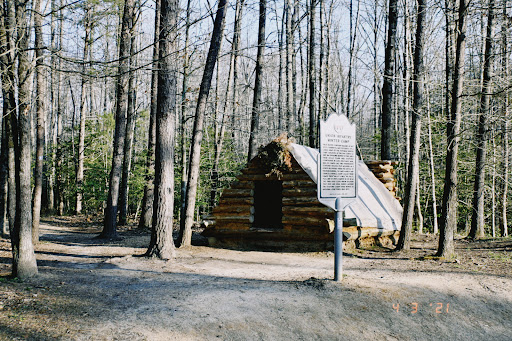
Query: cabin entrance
268	204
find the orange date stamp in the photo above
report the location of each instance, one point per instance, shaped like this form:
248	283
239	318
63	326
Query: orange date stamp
414	307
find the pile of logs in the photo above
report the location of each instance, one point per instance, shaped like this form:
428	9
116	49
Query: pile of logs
384	171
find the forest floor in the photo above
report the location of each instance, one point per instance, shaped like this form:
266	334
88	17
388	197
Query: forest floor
87	290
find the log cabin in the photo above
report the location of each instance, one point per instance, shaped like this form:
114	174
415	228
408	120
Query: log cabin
273	205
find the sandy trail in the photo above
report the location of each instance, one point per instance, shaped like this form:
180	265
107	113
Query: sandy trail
93	291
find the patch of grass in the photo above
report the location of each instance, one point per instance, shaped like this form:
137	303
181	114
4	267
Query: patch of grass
504	257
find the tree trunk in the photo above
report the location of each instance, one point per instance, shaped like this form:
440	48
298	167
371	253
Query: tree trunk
7	184
161	245
24	260
288	69
4	175
219	133
235	120
40	110
448	221
81	136
478	216
255	112
185	236
417	111
505	166
131	116
147	200
183	120
109	226
388	81
312	75
59	181
432	170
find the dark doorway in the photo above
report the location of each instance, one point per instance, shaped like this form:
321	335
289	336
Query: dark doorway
268	204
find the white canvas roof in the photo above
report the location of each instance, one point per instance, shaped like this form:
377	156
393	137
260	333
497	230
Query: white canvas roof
374	207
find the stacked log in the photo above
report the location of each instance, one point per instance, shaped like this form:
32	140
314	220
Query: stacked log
384	171
306	224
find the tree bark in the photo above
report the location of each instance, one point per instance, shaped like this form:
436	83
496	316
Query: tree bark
4	175
290	114
219	133
478	216
417	111
7	184
83	96
388	81
506	153
129	137
255	112
448	221
60	113
24	260
312	75
161	245
183	120
185	236
147	200
109	225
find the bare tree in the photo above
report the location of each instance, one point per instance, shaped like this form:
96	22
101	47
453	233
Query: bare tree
448	221
478	216
131	116
24	260
147	200
312	74
505	69
109	225
161	244
417	111
255	113
185	236
83	96
388	81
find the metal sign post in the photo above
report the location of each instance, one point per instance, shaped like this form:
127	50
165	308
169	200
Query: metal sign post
337	175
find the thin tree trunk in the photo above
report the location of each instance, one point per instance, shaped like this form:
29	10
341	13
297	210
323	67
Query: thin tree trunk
478	216
448	222
255	112
197	135
236	52
131	116
60	113
83	96
493	188
161	245
312	74
418	206
109	226
353	36
4	175
183	119
432	169
417	111
7	183
147	200
40	110
219	136
288	69
505	141
52	189
388	81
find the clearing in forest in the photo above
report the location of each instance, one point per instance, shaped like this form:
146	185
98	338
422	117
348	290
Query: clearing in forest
93	291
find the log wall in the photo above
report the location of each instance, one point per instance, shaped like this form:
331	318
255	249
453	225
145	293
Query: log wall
307	224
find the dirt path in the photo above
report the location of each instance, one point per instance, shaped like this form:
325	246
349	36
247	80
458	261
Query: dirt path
92	291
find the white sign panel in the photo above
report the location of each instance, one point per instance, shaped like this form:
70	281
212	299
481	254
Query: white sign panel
337	165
